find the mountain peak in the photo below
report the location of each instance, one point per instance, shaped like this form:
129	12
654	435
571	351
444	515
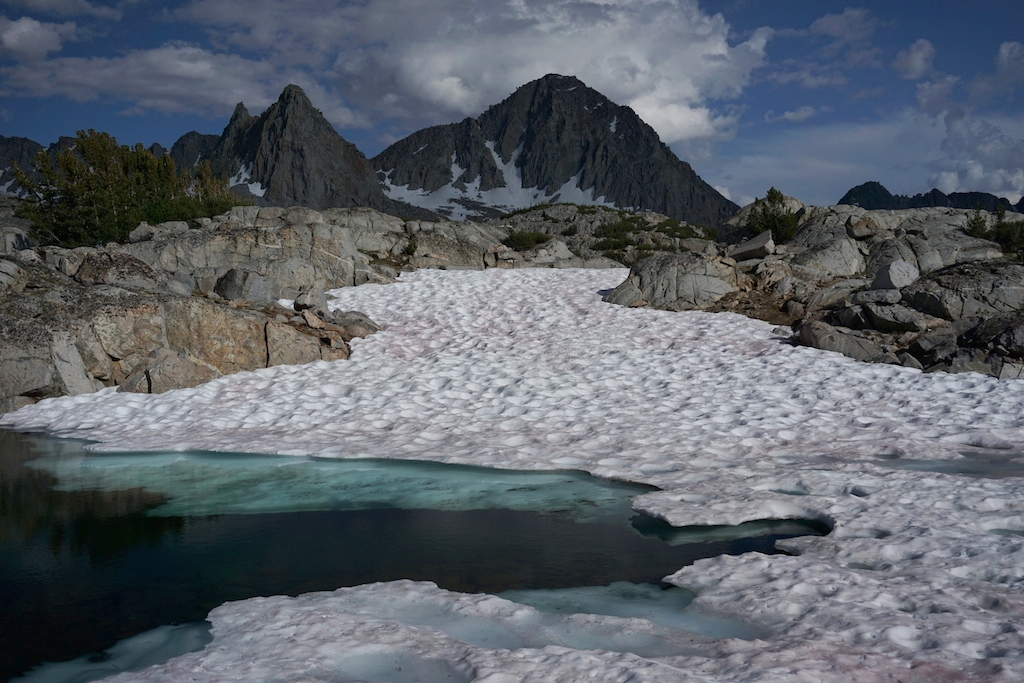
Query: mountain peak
240	114
553	140
294	97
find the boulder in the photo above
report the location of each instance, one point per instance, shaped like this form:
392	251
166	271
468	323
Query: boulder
676	282
841	258
895	275
755	248
821	335
128	333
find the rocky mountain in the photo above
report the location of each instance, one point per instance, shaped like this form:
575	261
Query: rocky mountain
873	195
552	140
290	155
22	151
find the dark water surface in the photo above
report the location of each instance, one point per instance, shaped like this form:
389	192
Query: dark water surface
81	569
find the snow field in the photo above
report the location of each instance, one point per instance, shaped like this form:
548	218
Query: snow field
921	577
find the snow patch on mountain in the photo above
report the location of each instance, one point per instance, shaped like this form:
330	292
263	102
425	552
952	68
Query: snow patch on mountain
243	177
457	200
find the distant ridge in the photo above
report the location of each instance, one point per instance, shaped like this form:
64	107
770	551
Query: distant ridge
553	139
873	195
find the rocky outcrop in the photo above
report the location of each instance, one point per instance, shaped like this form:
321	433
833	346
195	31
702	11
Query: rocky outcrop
62	337
677	282
553	140
901	287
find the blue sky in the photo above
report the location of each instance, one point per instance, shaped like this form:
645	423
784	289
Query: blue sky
810	97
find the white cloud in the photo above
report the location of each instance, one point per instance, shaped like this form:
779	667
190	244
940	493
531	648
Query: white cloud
27	38
916	61
431	61
176	77
1008	76
977	153
854	25
796	116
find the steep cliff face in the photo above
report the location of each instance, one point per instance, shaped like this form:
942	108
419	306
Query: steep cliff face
554	139
289	155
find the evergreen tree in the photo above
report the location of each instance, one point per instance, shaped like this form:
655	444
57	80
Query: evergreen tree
99	191
771	213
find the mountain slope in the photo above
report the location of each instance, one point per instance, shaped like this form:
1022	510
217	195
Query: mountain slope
554	139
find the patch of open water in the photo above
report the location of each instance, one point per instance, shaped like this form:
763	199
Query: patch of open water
99	547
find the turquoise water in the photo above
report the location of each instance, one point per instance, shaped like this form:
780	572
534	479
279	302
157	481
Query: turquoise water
97	548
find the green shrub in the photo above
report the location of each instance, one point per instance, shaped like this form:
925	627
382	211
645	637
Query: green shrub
674	227
770	213
1009	235
527	209
100	191
524	240
977	225
569	232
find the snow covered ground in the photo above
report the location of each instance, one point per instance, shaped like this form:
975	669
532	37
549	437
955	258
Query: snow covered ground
920	580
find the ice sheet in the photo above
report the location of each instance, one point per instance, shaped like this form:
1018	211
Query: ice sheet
921	578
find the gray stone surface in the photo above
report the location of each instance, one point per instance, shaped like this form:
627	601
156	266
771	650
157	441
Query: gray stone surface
969	290
676	282
12	278
895	275
821	335
755	248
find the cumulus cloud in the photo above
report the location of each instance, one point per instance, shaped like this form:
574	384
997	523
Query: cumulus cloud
27	38
978	154
176	77
428	61
915	62
1009	74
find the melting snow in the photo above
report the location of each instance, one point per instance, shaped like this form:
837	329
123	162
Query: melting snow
920	579
614	124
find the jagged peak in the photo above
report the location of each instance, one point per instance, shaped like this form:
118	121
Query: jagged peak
240	114
293	97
